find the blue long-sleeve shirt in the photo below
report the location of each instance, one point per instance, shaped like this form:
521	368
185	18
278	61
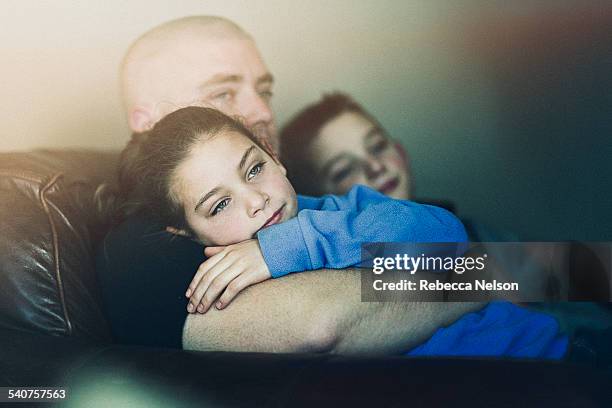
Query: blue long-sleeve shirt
328	231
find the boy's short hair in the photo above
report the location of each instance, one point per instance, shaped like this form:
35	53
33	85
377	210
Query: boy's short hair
298	134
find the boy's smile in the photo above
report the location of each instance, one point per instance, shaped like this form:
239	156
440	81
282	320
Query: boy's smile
230	189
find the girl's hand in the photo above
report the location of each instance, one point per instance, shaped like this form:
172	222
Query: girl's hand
233	268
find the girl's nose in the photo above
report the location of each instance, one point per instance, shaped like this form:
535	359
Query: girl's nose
257	201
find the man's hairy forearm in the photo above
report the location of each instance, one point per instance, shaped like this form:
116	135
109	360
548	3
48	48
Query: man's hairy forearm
319	311
393	328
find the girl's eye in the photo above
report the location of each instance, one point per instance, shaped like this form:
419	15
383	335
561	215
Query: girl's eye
222	204
255	170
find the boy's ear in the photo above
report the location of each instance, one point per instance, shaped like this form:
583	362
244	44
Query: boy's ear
140	120
403	153
176	231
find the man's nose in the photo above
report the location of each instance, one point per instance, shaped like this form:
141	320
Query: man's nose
256	110
374	167
259	118
257	201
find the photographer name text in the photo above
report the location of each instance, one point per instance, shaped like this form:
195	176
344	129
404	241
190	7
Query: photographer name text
425	285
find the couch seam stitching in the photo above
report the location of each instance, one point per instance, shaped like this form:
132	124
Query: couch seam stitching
55	242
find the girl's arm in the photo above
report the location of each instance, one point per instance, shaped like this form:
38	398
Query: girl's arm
329	231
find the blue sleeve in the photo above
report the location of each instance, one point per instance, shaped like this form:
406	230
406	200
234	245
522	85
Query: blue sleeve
501	329
328	231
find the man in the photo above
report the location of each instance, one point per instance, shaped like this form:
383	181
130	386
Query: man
144	273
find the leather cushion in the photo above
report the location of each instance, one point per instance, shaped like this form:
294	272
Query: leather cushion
49	225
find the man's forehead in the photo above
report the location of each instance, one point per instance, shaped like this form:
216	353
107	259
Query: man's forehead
193	45
215	57
186	29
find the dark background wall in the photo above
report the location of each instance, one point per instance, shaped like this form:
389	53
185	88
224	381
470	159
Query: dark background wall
515	123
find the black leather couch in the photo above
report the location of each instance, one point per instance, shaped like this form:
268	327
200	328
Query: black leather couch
53	332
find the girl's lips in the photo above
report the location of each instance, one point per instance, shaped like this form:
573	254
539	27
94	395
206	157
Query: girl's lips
389	186
275	218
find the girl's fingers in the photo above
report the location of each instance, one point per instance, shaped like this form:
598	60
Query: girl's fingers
236	286
213	250
204	267
218	285
198	291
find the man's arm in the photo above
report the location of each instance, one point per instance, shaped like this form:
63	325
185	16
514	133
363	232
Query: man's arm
319	311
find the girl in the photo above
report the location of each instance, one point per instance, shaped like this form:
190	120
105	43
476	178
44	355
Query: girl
205	175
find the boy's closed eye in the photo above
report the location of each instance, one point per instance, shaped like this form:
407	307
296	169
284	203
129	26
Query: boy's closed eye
379	146
342	171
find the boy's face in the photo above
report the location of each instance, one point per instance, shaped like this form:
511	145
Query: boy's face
224	73
350	149
230	189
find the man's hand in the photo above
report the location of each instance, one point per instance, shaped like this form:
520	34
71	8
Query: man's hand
233	268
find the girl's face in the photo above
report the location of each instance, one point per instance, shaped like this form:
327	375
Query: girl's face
230	189
350	149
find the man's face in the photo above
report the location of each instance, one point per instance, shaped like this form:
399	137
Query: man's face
224	73
230	189
350	149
